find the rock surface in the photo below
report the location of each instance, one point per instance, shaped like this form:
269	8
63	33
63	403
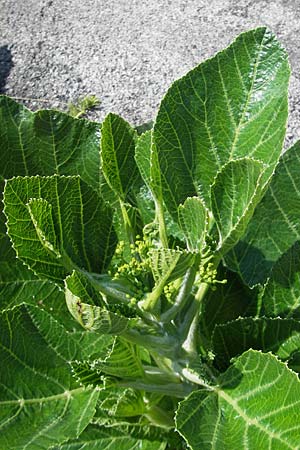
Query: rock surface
128	52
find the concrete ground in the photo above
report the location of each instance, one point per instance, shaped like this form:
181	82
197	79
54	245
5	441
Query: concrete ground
127	52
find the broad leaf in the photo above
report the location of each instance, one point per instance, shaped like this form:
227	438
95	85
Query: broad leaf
68	225
235	193
47	143
193	220
255	405
44	143
40	405
117	155
232	105
279	336
275	225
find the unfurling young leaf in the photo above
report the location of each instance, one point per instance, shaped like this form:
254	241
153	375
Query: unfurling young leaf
149	276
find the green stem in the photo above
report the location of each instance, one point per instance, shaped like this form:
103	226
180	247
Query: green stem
190	325
183	294
192	321
150	302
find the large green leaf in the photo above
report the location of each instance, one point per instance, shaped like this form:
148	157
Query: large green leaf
232	105
280	336
40	403
65	226
281	295
47	143
235	193
275	225
255	406
117	155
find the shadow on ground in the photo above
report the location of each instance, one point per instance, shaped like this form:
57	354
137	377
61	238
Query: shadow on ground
6	64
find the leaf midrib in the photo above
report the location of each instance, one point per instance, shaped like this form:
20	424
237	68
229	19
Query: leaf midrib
21	401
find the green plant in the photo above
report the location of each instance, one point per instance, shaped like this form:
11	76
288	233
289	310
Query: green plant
177	253
83	105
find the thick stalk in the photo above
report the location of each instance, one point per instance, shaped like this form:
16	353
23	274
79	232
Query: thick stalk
190	325
183	294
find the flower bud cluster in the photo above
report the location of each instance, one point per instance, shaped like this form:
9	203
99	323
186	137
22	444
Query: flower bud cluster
208	274
136	269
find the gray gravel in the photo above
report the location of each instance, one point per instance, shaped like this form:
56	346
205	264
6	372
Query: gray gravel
127	52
